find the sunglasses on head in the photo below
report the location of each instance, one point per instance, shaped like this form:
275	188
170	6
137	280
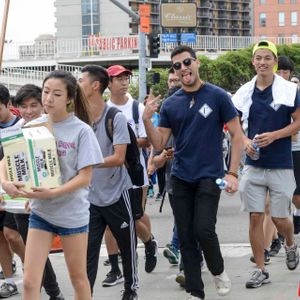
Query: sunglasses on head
186	62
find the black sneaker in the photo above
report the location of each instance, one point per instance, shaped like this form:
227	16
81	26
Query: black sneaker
159	197
8	289
275	247
151	256
292	257
112	278
296	221
59	297
281	238
129	295
267	258
258	277
14	269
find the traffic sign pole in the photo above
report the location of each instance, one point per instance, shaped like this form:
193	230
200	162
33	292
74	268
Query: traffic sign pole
142	50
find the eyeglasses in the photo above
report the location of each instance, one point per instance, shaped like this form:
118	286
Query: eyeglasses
186	62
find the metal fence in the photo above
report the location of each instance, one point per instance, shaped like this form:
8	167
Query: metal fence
82	48
13	77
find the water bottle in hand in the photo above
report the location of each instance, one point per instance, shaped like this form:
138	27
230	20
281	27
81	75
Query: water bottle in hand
222	183
257	150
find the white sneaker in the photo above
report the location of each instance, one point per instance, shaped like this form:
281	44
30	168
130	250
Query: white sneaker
223	284
193	298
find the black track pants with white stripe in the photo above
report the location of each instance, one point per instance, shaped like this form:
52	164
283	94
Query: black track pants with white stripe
120	221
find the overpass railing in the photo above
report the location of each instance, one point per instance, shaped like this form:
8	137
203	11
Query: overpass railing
121	46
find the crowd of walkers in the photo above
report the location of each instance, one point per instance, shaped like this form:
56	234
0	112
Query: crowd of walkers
101	196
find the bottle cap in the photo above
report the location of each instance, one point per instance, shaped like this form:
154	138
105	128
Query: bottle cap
219	181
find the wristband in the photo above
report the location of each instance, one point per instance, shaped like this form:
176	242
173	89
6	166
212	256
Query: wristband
233	174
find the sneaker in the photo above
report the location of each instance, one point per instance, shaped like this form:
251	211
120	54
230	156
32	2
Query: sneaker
180	279
150	193
8	289
296	222
112	278
223	284
267	258
106	263
258	277
59	297
151	256
292	257
172	254
14	269
159	197
194	298
281	238
129	295
275	247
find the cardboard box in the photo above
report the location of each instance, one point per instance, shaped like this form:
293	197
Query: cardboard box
31	156
14	205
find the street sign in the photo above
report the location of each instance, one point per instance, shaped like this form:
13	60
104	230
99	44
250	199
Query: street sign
188	37
144	12
169	38
178	15
147	63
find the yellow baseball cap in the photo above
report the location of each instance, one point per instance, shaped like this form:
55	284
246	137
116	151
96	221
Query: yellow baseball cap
264	44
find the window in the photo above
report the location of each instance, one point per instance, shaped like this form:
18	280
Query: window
294	18
293	1
262	20
281	19
280	1
90	17
294	38
262	2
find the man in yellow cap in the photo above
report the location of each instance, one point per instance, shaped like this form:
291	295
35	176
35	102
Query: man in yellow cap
268	103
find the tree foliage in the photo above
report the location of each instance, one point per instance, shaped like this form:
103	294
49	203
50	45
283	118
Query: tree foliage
229	71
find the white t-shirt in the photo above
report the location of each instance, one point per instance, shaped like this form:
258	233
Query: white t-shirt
126	109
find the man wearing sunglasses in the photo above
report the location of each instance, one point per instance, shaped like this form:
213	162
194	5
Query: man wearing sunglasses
195	115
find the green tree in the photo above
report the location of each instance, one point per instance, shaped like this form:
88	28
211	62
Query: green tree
229	71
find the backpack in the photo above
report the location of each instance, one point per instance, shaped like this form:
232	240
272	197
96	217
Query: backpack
132	158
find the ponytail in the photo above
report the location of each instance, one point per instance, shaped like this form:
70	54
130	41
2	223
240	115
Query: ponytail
77	102
82	107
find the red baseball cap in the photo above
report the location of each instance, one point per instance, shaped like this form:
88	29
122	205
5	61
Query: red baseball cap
116	70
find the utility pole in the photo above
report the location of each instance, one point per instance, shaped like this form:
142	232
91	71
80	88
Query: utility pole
3	30
142	50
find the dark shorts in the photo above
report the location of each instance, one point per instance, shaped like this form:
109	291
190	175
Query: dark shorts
296	163
136	197
7	220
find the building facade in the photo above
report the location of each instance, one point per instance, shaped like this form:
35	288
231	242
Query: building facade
276	18
81	18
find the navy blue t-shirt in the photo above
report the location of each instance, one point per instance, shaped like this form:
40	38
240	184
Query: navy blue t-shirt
264	116
197	131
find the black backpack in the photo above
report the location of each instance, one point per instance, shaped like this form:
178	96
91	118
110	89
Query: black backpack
132	158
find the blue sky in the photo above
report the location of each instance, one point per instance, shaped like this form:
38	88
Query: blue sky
28	19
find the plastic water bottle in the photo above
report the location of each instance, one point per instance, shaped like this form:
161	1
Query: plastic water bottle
257	151
222	183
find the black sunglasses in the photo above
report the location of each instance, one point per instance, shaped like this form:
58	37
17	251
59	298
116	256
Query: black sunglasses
187	62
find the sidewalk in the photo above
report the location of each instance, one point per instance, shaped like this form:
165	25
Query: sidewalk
161	283
232	228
